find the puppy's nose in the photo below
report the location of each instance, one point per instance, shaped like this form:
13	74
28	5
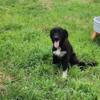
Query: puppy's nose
56	38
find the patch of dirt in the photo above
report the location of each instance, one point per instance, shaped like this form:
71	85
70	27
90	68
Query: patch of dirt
46	4
2	86
3	78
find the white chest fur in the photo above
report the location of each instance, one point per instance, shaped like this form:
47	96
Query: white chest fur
59	53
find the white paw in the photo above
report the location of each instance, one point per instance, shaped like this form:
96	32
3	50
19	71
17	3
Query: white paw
64	75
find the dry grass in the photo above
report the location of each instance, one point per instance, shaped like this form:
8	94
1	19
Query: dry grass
46	4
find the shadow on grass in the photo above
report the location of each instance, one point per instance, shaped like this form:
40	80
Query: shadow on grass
96	1
10	27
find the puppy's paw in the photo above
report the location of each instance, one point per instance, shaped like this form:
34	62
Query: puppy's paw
64	75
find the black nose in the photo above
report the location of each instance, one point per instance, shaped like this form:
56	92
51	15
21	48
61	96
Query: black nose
56	38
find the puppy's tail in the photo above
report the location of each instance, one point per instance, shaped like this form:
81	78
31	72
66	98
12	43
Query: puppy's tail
85	64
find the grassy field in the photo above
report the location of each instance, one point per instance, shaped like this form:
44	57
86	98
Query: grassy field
26	71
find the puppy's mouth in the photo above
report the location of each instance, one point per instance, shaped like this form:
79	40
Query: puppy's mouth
56	44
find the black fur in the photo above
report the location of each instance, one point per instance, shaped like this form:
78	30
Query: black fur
70	57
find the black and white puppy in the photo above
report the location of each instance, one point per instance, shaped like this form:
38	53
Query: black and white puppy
62	50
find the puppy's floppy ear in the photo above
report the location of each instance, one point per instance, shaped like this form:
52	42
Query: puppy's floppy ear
65	33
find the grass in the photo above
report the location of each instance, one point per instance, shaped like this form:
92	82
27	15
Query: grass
26	72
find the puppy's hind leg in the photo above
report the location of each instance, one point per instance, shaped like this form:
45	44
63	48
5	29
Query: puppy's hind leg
74	60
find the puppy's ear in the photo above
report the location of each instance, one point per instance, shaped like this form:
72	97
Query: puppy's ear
65	33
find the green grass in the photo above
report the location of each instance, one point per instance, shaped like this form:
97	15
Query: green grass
25	49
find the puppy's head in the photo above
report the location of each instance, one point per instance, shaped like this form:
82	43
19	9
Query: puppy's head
58	36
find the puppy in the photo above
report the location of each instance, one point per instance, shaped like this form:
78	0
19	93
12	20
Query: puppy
62	50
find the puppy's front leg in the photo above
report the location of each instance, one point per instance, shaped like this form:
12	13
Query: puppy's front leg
55	60
65	66
64	75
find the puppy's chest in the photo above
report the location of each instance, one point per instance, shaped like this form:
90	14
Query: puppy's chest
59	52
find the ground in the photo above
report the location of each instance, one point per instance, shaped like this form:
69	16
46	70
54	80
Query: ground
26	71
